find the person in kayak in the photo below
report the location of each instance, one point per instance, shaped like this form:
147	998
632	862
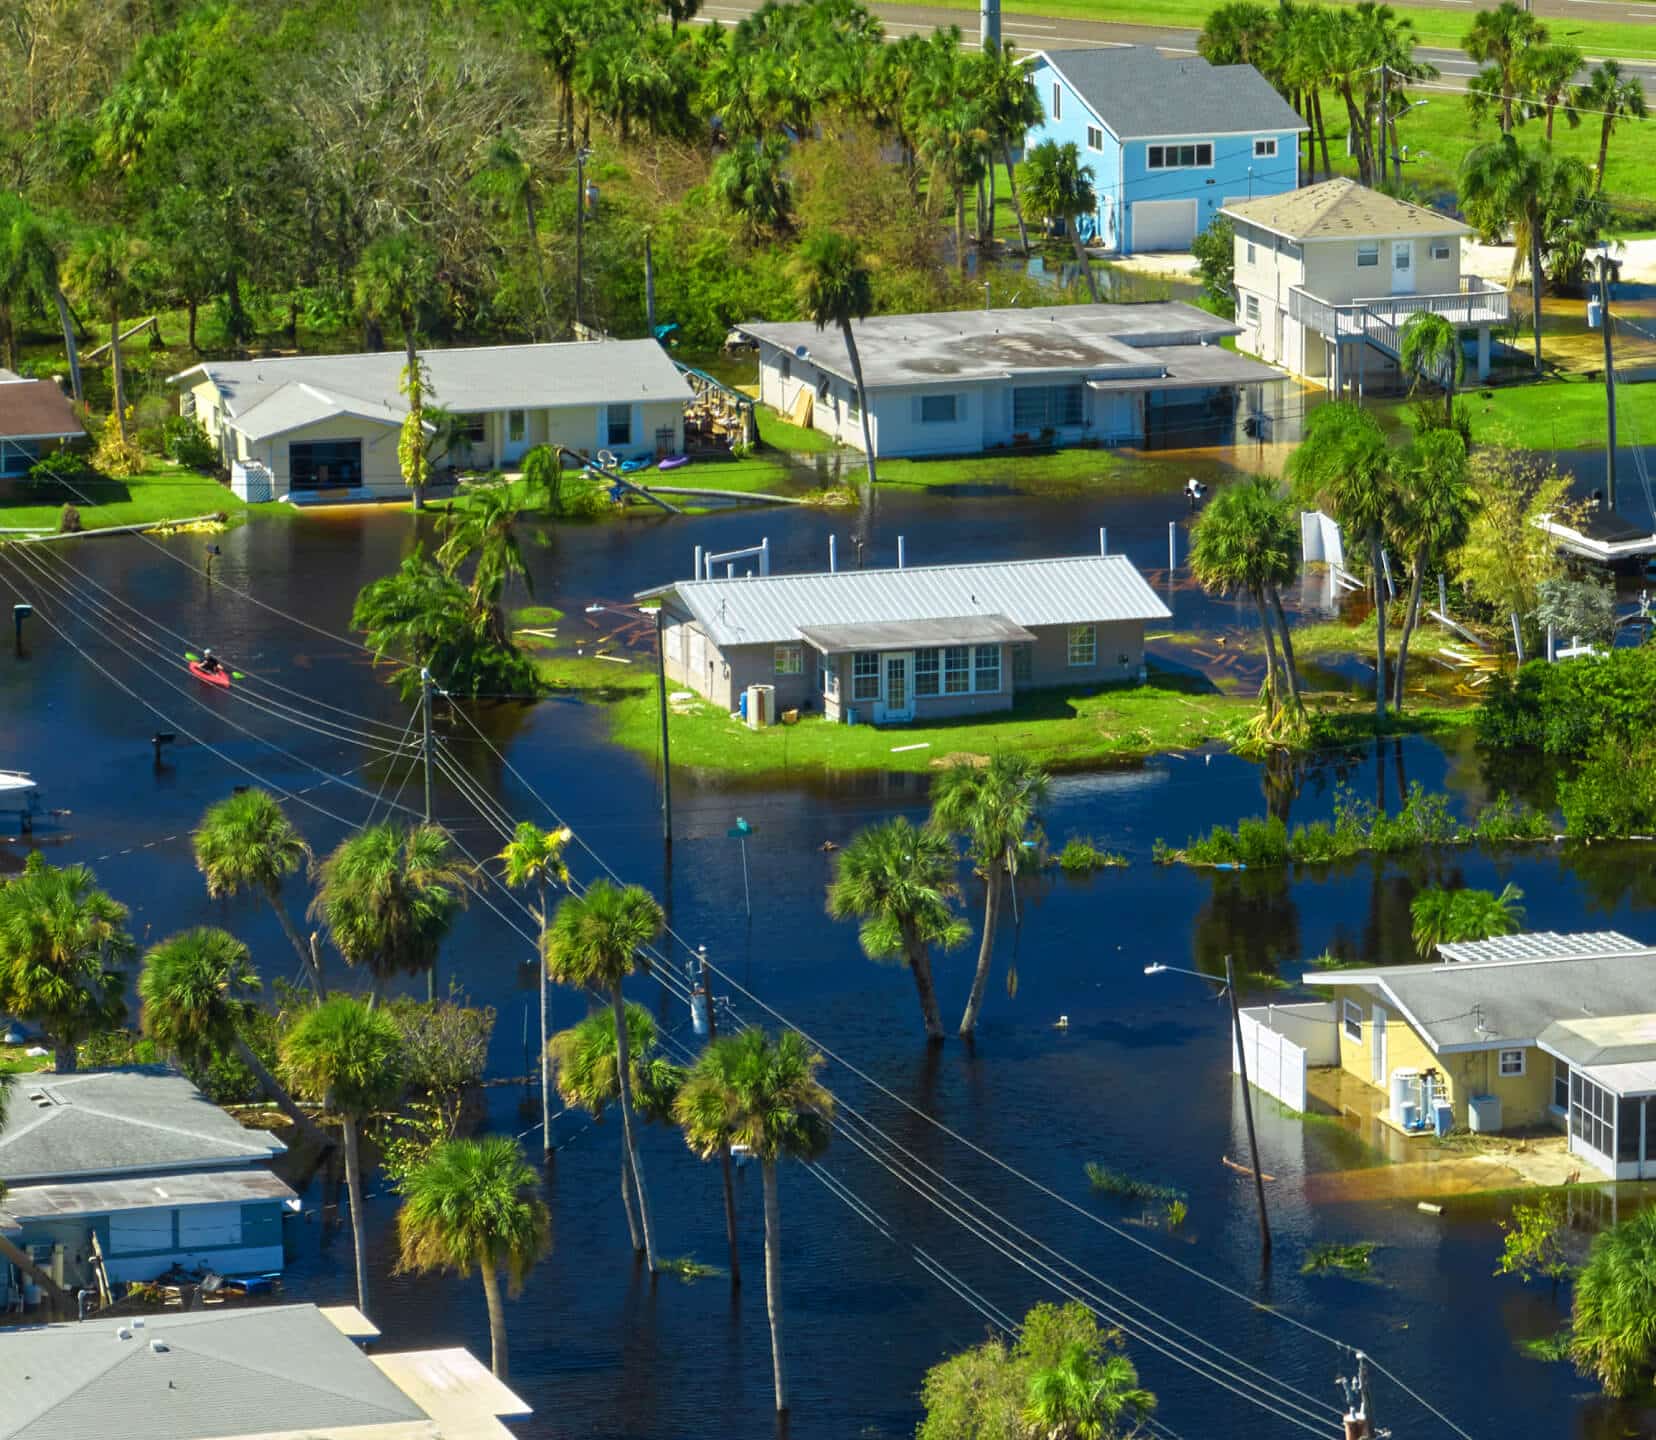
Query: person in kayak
210	663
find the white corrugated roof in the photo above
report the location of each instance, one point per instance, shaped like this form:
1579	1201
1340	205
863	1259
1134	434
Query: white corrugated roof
770	609
1540	945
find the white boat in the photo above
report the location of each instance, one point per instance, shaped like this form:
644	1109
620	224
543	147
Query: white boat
20	796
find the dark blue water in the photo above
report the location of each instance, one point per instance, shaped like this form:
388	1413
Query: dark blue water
1138	1081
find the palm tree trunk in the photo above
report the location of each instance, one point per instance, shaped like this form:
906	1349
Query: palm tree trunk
1081	258
9	330
115	367
960	228
1017	207
623	1085
307	959
1604	151
67	321
192	308
730	1217
627	1201
353	1187
862	396
986	948
988	236
773	1284
919	958
1377	566
1322	128
1270	656
497	1321
64	1059
1535	288
1289	664
278	1092
1411	617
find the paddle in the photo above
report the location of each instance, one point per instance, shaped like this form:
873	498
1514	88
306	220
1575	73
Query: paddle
234	674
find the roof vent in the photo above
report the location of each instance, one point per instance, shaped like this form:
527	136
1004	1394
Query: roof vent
159	1346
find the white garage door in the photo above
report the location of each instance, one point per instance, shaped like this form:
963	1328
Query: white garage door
1163	224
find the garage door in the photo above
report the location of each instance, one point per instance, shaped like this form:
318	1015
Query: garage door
1163	225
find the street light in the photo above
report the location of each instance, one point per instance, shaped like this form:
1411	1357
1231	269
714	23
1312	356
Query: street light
661	699
1247	1098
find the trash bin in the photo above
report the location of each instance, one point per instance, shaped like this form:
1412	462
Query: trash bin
741	705
1443	1118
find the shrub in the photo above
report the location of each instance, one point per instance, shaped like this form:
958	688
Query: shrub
1319	843
55	476
1565	709
1106	1181
1506	820
1614	793
184	438
117	455
445	1045
1352	1259
69	523
1080	856
1253	842
1612	1335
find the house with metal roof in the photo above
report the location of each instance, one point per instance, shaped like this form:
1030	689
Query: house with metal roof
910	644
284	1372
1170	139
326	426
961	382
35	419
134	1170
1327	276
1512	1033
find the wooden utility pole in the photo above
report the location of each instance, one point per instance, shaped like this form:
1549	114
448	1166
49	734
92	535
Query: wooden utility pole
724	1150
1609	384
1247	1109
666	754
1385	116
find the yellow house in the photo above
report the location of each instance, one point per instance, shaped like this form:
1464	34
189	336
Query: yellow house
1511	1034
300	426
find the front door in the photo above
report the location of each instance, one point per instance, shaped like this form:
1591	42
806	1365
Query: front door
1378	1048
1403	280
899	697
517	435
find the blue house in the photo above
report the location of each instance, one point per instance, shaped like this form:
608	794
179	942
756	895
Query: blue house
1169	141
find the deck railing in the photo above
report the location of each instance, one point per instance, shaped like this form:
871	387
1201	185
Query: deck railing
1477	302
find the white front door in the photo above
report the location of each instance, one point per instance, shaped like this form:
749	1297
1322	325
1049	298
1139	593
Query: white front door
1403	280
1378	1049
898	687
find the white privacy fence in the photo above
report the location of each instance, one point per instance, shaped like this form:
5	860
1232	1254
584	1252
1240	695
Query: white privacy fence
1282	1042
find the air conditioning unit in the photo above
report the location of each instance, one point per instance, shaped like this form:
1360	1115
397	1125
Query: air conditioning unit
761	706
1483	1114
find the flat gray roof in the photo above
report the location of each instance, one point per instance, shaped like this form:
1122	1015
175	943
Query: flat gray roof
945	347
167	1192
912	634
207	1375
102	1123
775	609
1195	367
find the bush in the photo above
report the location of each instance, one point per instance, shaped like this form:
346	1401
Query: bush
1320	843
117	455
1080	856
1506	820
69	522
54	476
1106	1181
184	439
1565	709
1214	251
445	1045
1254	842
1613	795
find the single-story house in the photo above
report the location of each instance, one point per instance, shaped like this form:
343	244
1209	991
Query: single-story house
1169	139
915	643
142	1160
965	381
1510	1033
35	419
271	1371
329	424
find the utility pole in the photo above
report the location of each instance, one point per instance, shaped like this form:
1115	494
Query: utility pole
724	1149
1385	114
1247	1109
1609	384
989	26
425	749
580	224
666	754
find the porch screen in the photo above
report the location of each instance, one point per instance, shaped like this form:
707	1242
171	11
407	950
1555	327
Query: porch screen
1043	407
322	464
1592	1114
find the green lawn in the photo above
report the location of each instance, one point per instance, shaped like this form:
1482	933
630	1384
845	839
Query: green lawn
1069	469
782	434
163	492
1565	414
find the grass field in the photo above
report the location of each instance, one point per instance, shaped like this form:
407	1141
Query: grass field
1562	414
163	492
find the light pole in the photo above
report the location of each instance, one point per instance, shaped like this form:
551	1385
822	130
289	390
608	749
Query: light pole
1247	1098
661	700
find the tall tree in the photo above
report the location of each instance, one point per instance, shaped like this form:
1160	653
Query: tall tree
597	940
29	274
1613	97
349	1057
751	181
995	807
1085	1396
247	843
1238	33
1447	917
898	880
1431	350
746	1089
1504	185
100	269
1547	74
1011	109
1498	40
534	858
511	181
1434	508
1613	1322
396	278
485	533
63	942
476	1205
1059	188
195	996
836	288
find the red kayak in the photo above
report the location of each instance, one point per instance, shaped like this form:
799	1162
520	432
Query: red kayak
220	677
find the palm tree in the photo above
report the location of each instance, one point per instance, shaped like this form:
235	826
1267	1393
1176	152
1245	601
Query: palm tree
1431	350
1449	917
1547	73
1084	1396
100	269
1238	33
953	139
1060	188
1345	465
349	1057
589	1079
1613	1322
476	1205
994	806
752	183
247	842
1499	40
1504	185
62	943
1433	514
1011	109
485	531
535	857
388	896
194	996
746	1089
397	278
899	880
510	180
29	271
835	288
597	940
1614	99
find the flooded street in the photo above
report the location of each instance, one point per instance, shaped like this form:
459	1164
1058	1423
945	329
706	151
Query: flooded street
1139	1080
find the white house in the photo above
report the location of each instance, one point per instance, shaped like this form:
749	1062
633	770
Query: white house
1327	276
329	424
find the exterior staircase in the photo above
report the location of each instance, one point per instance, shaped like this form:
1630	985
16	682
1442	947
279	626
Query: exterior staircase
1379	322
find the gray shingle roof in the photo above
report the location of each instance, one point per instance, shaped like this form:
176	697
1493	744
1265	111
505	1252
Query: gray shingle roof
1541	945
119	1122
1141	93
219	1374
771	609
1341	209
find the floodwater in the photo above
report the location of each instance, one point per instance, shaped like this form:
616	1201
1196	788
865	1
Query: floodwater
1138	1080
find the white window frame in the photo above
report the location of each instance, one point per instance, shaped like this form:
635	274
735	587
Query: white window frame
951	418
1251	308
1504	1058
1351	1021
1368	254
616	416
980	654
788	660
1265	149
1440	250
960	673
1250	252
1155	156
928	673
1083	646
1095	139
862	679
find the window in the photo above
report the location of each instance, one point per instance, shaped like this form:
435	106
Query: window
1368	254
620	425
865	675
937	409
829	675
1265	149
957	670
1250	252
1057	102
1402	255
790	660
1180	157
986	668
1253	309
926	674
1630	1122
1083	644
516	426
1512	1063
1561	1086
1047	407
1440	249
321	464
1352	1020
1095	138
1023	664
470	430
1592	1114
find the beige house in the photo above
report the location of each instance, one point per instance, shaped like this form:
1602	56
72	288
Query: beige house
1327	276
326	426
916	643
